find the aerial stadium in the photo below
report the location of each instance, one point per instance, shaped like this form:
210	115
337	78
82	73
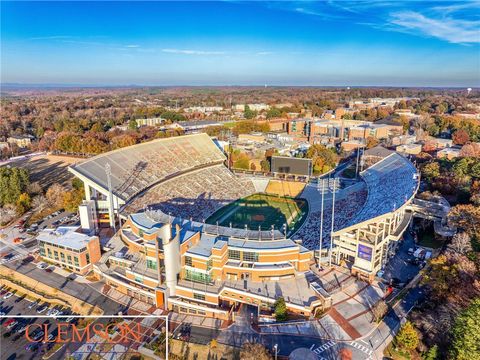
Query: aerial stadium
196	238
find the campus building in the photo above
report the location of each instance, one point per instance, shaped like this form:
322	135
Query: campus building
69	249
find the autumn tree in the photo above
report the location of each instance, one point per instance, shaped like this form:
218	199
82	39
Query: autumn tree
23	203
323	159
461	243
372	142
431	170
54	195
460	137
466	217
254	351
407	337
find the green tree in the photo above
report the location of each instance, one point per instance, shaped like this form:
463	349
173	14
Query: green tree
13	182
249	114
466	335
132	125
323	159
281	309
273	113
407	337
431	354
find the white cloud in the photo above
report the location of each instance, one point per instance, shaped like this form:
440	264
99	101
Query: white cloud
132	46
449	29
264	53
192	52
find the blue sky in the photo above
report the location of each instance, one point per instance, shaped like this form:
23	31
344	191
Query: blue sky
340	43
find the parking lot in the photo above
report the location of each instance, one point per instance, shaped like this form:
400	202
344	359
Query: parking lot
13	342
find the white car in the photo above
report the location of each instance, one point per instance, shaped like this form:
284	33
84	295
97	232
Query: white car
33	304
42	309
69	319
2	313
42	265
7	295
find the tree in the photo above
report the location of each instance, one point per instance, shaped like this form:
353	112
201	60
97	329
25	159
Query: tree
465	333
407	337
265	164
431	170
461	243
273	113
72	199
470	150
7	213
249	114
13	182
466	217
323	159
55	194
254	351
432	353
281	309
39	202
460	137
23	203
132	125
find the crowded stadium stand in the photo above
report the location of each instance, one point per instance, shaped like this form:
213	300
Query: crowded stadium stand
138	167
195	195
390	183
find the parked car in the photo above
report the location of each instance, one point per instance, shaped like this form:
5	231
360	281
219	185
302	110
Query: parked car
7	295
42	265
28	259
12	324
49	338
32	347
8	322
33	304
41	309
50	269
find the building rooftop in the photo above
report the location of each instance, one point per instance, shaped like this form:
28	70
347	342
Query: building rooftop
65	236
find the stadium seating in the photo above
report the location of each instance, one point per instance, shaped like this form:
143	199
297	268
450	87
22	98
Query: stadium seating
386	186
195	195
140	166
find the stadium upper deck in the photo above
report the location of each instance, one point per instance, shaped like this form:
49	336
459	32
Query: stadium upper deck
390	184
138	167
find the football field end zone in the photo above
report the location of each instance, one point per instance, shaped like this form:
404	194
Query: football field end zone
164	317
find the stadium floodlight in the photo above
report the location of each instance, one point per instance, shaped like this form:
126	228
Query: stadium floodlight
108	172
333	222
321	224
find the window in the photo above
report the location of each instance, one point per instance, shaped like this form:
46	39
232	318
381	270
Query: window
197	276
209	264
139	279
55	254
140	232
250	256
62	256
88	258
199	296
69	259
151	264
42	251
234	254
75	260
49	252
188	261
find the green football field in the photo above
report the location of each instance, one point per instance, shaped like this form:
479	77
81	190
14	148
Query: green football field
262	210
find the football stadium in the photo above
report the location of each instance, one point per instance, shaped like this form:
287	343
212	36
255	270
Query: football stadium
193	237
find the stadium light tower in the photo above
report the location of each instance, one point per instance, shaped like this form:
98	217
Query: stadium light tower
111	212
321	224
333	221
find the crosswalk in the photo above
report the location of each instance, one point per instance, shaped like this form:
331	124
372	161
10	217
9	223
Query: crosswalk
324	347
362	348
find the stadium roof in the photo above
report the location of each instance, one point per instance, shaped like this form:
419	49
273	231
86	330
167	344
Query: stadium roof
378	151
137	167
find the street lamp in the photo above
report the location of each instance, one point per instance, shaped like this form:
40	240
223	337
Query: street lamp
275	347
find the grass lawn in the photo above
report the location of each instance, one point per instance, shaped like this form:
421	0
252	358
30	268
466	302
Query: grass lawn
262	210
